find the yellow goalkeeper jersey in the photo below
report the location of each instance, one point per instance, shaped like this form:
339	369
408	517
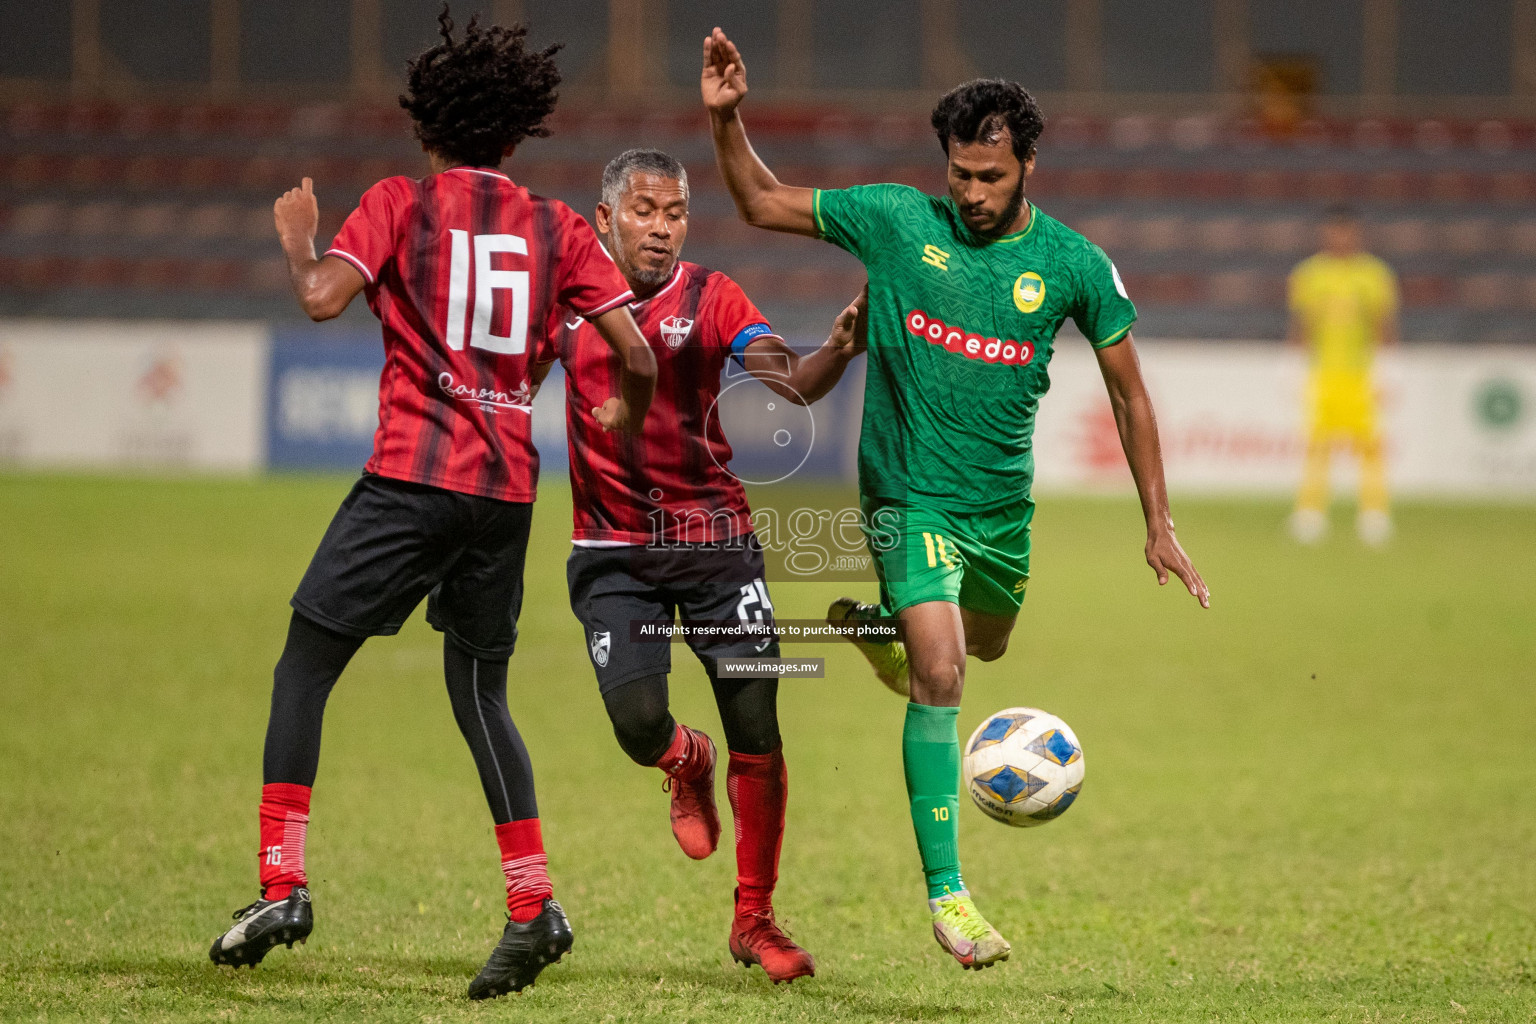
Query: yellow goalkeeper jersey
1341	301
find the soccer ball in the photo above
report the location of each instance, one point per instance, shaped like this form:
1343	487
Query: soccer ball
1023	766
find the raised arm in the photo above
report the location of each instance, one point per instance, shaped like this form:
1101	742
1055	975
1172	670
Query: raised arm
1138	437
637	372
806	380
762	200
324	287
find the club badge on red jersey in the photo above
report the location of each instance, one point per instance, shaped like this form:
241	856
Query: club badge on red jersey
674	331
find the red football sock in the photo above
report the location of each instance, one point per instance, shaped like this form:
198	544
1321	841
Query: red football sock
284	824
685	757
758	786
526	867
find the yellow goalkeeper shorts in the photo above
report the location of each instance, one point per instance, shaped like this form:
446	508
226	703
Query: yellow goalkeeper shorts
1341	404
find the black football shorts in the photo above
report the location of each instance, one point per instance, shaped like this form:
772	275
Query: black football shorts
392	543
614	588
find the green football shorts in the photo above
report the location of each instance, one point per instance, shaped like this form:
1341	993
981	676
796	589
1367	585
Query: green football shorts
978	560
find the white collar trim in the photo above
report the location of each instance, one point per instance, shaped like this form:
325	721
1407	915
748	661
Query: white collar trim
479	170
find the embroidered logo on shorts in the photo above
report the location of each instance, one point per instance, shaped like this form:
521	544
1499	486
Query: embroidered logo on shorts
600	645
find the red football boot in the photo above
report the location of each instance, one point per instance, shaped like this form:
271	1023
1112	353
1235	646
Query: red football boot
690	767
756	939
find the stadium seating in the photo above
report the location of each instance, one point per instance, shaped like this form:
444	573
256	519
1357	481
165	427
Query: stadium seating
165	209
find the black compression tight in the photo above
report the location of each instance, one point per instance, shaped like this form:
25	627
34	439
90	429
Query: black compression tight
644	725
313	660
311	663
640	717
478	689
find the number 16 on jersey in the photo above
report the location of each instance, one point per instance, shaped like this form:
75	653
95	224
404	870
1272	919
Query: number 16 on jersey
487	282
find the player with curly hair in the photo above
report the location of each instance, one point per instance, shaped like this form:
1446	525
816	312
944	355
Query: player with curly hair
966	293
462	268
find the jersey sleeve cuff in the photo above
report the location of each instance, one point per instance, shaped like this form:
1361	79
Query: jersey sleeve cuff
1116	337
612	304
821	226
359	264
621	299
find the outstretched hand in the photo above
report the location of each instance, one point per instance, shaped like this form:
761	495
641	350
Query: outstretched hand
1165	556
850	331
724	80
297	214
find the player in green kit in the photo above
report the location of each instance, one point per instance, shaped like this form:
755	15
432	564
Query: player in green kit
966	294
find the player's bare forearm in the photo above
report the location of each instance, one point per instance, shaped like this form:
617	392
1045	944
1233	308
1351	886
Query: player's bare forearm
761	199
637	372
536	375
324	287
637	383
811	378
1137	425
819	372
800	379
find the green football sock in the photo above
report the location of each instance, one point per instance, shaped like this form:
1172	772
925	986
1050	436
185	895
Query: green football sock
930	754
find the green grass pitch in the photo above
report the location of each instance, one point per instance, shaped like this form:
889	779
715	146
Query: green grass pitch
1316	802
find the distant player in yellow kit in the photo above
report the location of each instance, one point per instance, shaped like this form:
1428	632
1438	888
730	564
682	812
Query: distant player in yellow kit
1343	306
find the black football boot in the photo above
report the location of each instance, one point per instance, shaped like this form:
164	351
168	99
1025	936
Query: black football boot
525	949
261	926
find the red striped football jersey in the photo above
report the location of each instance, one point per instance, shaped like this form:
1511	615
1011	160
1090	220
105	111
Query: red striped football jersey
671	483
463	269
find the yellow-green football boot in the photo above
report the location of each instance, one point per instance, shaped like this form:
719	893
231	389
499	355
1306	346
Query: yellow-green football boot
887	658
961	930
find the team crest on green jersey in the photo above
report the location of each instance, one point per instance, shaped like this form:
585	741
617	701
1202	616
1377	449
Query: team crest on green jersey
1028	291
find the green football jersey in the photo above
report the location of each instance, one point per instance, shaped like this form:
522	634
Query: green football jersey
960	333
